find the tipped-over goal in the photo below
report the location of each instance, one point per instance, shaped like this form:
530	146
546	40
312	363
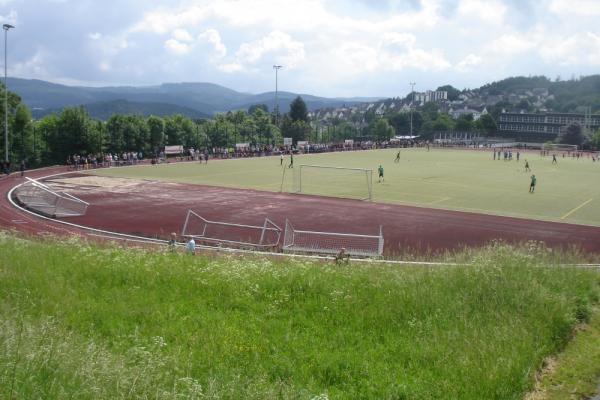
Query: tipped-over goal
45	200
226	234
304	241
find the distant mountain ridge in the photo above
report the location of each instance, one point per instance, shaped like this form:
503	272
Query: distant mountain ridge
192	99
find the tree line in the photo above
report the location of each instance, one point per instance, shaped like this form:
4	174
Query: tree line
52	139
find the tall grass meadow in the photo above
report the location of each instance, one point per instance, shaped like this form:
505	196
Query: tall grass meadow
87	321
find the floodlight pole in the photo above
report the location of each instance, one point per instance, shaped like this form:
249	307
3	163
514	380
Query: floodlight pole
6	27
412	91
276	68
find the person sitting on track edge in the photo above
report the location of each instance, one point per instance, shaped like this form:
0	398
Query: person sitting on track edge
342	256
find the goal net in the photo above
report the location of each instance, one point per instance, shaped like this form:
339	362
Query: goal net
353	183
559	147
45	200
303	241
228	234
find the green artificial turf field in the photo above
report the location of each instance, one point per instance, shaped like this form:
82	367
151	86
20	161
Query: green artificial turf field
450	179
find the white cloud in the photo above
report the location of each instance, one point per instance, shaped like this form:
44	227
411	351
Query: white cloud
350	46
164	20
182	35
34	66
10	18
582	8
469	62
397	51
213	37
231	67
104	66
512	44
579	49
279	45
176	47
489	11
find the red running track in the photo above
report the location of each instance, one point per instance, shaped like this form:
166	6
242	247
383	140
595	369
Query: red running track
154	209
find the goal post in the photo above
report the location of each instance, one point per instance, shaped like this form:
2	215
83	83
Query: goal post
559	147
323	180
265	236
305	241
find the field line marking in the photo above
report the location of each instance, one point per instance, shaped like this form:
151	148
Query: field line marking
440	200
576	208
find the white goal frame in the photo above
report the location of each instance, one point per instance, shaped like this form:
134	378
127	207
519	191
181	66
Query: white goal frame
45	200
263	233
368	174
559	147
303	241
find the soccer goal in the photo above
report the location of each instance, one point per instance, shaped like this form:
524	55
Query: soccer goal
303	241
265	236
45	200
353	183
559	147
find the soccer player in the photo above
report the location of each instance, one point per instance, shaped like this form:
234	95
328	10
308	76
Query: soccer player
532	185
380	169
291	159
281	159
397	160
527	169
554	159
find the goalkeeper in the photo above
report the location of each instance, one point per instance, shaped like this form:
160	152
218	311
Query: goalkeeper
380	170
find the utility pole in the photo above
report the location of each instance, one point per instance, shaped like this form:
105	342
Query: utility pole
6	27
412	91
276	68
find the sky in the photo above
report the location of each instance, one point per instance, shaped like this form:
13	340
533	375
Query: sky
326	47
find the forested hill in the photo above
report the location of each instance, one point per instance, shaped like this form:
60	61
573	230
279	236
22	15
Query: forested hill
563	95
192	99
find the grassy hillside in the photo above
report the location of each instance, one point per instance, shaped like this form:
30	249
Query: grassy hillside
87	322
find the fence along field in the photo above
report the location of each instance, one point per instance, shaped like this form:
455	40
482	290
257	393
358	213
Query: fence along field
449	179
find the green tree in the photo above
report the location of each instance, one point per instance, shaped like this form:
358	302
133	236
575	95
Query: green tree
13	102
128	133
45	130
595	139
268	133
382	130
22	136
75	133
156	126
298	110
572	135
252	109
443	122
297	130
486	124
430	110
464	123
400	122
180	130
